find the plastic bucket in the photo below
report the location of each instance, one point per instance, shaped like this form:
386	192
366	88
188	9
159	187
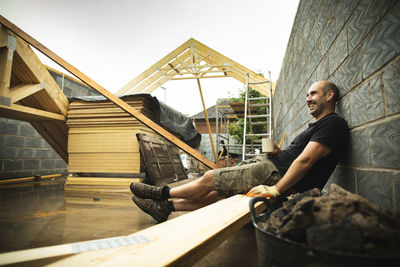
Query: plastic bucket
277	251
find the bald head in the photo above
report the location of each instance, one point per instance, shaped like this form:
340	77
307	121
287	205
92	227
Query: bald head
327	86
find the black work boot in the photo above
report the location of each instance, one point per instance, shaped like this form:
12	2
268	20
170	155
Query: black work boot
159	210
147	191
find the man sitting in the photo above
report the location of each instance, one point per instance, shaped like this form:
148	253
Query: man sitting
308	162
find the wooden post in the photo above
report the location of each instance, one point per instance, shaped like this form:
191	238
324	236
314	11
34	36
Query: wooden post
5	71
207	121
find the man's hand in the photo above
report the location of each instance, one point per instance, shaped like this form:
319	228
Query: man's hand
263	191
277	149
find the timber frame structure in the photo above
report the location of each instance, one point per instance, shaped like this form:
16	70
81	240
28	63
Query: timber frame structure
192	60
28	92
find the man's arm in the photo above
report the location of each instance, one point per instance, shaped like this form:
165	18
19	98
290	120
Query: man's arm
302	164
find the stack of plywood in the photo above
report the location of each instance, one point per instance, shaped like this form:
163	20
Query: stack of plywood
102	137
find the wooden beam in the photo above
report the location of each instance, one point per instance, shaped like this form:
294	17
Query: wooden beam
207	121
6	58
107	94
200	67
31	178
160	82
176	242
173	67
24	113
199	72
156	76
3	37
153	68
239	71
42	75
201	77
23	90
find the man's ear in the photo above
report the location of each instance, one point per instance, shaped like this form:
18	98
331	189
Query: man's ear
330	95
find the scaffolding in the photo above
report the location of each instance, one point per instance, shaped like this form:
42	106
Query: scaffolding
222	121
266	102
251	117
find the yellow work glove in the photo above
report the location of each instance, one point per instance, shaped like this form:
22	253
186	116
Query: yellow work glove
263	191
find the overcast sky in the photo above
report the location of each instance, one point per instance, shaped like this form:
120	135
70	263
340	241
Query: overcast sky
114	41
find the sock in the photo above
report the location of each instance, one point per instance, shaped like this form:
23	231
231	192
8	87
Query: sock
165	192
171	205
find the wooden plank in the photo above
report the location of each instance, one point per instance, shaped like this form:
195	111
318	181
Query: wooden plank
3	37
29	178
201	77
123	141
23	90
176	242
24	113
55	133
5	70
59	100
104	162
107	94
238	71
207	121
160	82
102	181
154	67
156	76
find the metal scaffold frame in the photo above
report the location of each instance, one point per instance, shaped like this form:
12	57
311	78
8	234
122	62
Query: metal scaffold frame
249	116
223	119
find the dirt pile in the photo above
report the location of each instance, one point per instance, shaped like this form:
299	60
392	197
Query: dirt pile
339	221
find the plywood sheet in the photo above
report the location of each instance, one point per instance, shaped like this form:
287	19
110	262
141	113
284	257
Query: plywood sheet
104	162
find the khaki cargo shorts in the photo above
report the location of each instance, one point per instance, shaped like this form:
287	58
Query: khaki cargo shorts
241	178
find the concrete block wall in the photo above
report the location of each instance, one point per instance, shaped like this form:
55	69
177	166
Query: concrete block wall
356	45
23	152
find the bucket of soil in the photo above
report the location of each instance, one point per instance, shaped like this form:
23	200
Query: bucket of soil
336	229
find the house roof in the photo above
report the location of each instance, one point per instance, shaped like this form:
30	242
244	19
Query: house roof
211	111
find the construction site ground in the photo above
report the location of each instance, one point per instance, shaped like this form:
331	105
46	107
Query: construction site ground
41	213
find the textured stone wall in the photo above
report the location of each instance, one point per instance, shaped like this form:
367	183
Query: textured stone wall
23	152
354	44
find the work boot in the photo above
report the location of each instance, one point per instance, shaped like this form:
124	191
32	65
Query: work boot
147	191
159	210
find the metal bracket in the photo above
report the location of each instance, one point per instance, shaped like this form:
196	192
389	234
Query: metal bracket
6	101
11	45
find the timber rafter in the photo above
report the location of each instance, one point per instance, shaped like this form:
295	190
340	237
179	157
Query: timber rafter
192	60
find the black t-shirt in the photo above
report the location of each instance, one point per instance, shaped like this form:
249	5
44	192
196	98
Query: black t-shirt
331	131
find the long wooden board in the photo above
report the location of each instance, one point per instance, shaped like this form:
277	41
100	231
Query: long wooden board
176	242
12	27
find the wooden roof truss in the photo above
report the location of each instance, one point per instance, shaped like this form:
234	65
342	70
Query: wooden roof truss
191	60
29	93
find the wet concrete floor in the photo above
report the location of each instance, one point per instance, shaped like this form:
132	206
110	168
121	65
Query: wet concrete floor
37	214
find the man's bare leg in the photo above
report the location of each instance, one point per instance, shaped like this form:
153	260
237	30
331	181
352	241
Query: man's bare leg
197	190
187	197
189	205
